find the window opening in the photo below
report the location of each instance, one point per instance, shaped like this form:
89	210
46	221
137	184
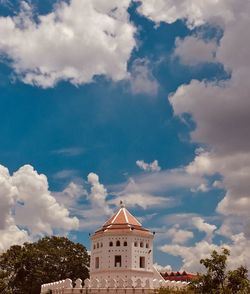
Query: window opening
97	262
142	262
118	260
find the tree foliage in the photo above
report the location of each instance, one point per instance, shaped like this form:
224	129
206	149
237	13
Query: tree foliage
175	291
24	268
217	280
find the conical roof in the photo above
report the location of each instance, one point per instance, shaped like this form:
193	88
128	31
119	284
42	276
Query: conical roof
122	221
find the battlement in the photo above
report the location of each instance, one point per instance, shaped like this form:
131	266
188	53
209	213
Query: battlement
129	286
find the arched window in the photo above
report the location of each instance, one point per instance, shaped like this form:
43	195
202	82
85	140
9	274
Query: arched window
97	245
141	244
97	262
101	245
147	245
118	243
135	244
125	243
94	246
111	244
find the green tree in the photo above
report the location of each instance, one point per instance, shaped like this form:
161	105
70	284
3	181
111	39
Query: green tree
238	281
175	291
24	268
217	280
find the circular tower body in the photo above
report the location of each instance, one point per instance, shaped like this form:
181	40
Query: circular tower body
122	249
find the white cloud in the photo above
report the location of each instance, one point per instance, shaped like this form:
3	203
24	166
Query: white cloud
39	211
163	268
9	232
201	165
202	226
153	166
193	51
26	202
75	42
179	236
71	151
71	195
191	255
74	190
149	190
133	196
8	193
98	194
201	188
65	174
87	200
220	111
142	80
195	12
12	235
162	181
93	213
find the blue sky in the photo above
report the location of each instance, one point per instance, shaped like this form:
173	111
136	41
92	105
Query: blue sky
126	100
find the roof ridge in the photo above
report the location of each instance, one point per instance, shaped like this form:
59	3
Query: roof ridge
134	218
125	214
118	212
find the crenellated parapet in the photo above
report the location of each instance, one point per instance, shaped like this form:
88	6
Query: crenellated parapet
128	286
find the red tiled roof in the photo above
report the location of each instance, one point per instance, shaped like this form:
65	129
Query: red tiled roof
178	276
122	221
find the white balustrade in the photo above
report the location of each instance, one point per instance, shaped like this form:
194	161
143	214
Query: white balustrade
60	287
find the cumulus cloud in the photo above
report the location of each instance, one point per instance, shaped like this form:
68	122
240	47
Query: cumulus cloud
178	235
71	195
12	235
93	213
75	42
194	12
162	269
34	196
153	166
193	51
8	193
192	254
219	109
202	226
98	194
26	202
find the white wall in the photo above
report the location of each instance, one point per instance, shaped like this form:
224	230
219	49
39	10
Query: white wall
130	256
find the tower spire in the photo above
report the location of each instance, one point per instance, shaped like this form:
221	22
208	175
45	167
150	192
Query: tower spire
122	205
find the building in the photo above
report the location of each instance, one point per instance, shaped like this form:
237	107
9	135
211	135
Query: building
122	248
121	259
179	276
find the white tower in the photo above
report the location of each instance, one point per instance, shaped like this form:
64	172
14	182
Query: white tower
122	248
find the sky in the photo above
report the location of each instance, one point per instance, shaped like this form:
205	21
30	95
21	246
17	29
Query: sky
141	101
